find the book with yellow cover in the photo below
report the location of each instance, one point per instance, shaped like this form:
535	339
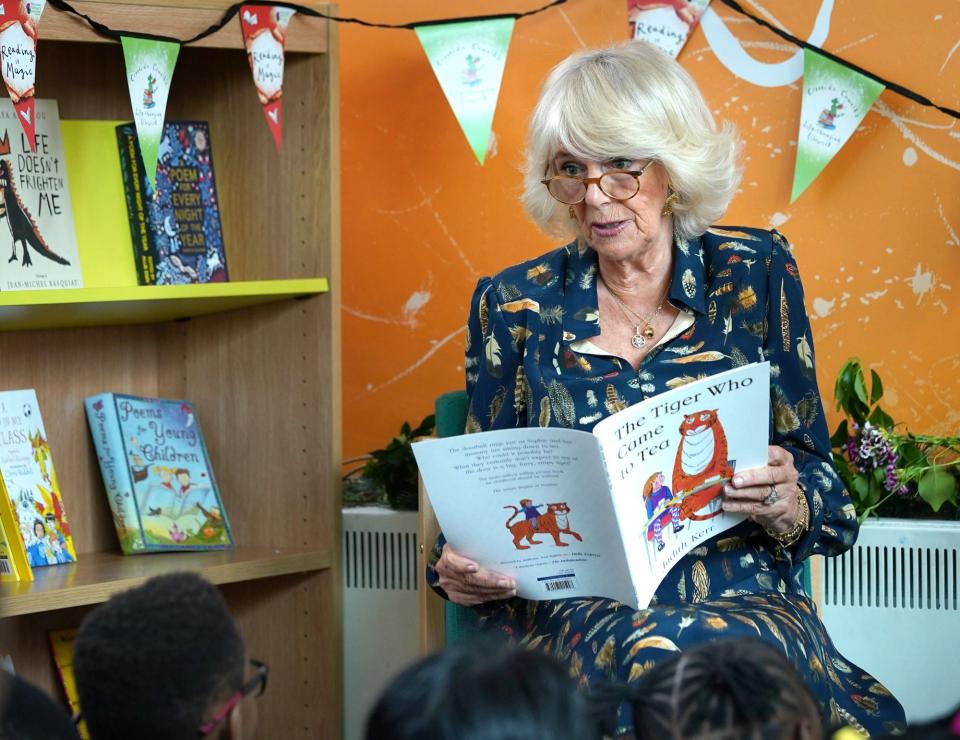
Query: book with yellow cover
14	565
61	644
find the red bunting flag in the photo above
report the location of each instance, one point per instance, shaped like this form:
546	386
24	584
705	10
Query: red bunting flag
18	60
264	33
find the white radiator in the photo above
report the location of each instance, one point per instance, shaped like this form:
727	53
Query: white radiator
891	606
380	606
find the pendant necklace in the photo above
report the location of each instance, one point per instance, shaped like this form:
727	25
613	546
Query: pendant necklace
643	326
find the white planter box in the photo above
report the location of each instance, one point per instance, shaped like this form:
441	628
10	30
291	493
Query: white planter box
890	604
381	616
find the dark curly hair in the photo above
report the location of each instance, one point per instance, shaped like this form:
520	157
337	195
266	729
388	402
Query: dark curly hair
151	662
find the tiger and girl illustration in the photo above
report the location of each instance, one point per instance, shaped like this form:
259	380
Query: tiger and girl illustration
554	522
700	470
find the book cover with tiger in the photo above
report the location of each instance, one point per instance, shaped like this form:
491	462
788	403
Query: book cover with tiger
26	464
570	513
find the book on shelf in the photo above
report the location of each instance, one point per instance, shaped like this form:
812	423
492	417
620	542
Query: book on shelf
157	474
176	230
61	647
570	513
35	204
14	565
26	465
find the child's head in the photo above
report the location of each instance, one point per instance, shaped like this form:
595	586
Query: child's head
526	502
29	714
183	476
160	661
482	691
728	689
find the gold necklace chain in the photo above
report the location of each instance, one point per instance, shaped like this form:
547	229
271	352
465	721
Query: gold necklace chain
644	330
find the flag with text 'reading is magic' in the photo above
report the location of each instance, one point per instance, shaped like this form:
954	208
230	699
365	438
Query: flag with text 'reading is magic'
18	59
264	34
667	24
468	59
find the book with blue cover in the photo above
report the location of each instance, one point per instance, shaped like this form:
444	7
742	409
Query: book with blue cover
157	474
176	228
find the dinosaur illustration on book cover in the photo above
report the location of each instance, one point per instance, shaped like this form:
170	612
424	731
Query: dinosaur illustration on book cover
23	229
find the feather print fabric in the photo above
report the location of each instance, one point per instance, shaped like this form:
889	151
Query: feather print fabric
742	289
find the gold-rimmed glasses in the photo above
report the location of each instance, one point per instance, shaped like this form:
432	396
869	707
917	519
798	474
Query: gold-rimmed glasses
616	184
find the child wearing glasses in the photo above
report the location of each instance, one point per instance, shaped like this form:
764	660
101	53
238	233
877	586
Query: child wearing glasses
166	660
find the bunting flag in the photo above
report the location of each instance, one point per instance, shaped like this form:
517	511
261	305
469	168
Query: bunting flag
468	59
150	66
667	24
264	32
18	55
835	100
35	10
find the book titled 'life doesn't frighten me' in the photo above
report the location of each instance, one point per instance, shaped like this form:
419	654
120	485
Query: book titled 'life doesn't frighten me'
176	230
157	474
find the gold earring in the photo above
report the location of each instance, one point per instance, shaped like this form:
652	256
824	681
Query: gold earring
672	198
572	213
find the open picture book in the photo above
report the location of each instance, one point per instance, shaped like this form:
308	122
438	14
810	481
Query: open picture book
569	513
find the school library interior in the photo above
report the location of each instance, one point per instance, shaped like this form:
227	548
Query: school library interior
568	369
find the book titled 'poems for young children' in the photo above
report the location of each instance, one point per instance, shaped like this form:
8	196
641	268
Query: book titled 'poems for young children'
157	474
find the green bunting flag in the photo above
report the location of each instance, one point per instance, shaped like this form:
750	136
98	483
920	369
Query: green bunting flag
150	66
835	100
468	59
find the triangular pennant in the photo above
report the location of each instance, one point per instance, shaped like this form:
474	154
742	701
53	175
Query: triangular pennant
34	9
18	57
150	66
264	33
835	100
666	25
468	59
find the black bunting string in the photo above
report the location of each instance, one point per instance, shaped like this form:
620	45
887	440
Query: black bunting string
893	86
228	14
111	33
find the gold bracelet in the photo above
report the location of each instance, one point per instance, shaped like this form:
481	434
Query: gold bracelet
801	525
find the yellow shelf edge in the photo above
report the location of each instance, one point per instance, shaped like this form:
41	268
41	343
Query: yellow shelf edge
293	287
221	567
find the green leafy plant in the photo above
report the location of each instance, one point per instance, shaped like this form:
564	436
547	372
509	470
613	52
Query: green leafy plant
389	475
887	469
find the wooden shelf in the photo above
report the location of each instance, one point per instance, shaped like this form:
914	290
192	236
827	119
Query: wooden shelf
179	19
142	304
99	575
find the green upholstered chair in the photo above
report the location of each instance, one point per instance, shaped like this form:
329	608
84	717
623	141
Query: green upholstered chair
451	412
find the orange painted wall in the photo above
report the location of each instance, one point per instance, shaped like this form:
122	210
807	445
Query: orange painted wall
877	235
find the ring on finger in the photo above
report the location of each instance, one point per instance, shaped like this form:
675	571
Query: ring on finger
772	497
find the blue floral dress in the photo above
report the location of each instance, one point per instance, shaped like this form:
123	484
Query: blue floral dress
740	300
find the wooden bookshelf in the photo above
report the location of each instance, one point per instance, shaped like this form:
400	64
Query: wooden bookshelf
261	367
142	304
99	575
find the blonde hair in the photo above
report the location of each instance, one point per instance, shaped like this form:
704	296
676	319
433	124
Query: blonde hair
631	100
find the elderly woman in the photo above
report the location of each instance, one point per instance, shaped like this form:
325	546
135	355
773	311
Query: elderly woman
625	157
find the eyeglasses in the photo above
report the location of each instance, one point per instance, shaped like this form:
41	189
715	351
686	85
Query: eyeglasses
617	184
254	687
